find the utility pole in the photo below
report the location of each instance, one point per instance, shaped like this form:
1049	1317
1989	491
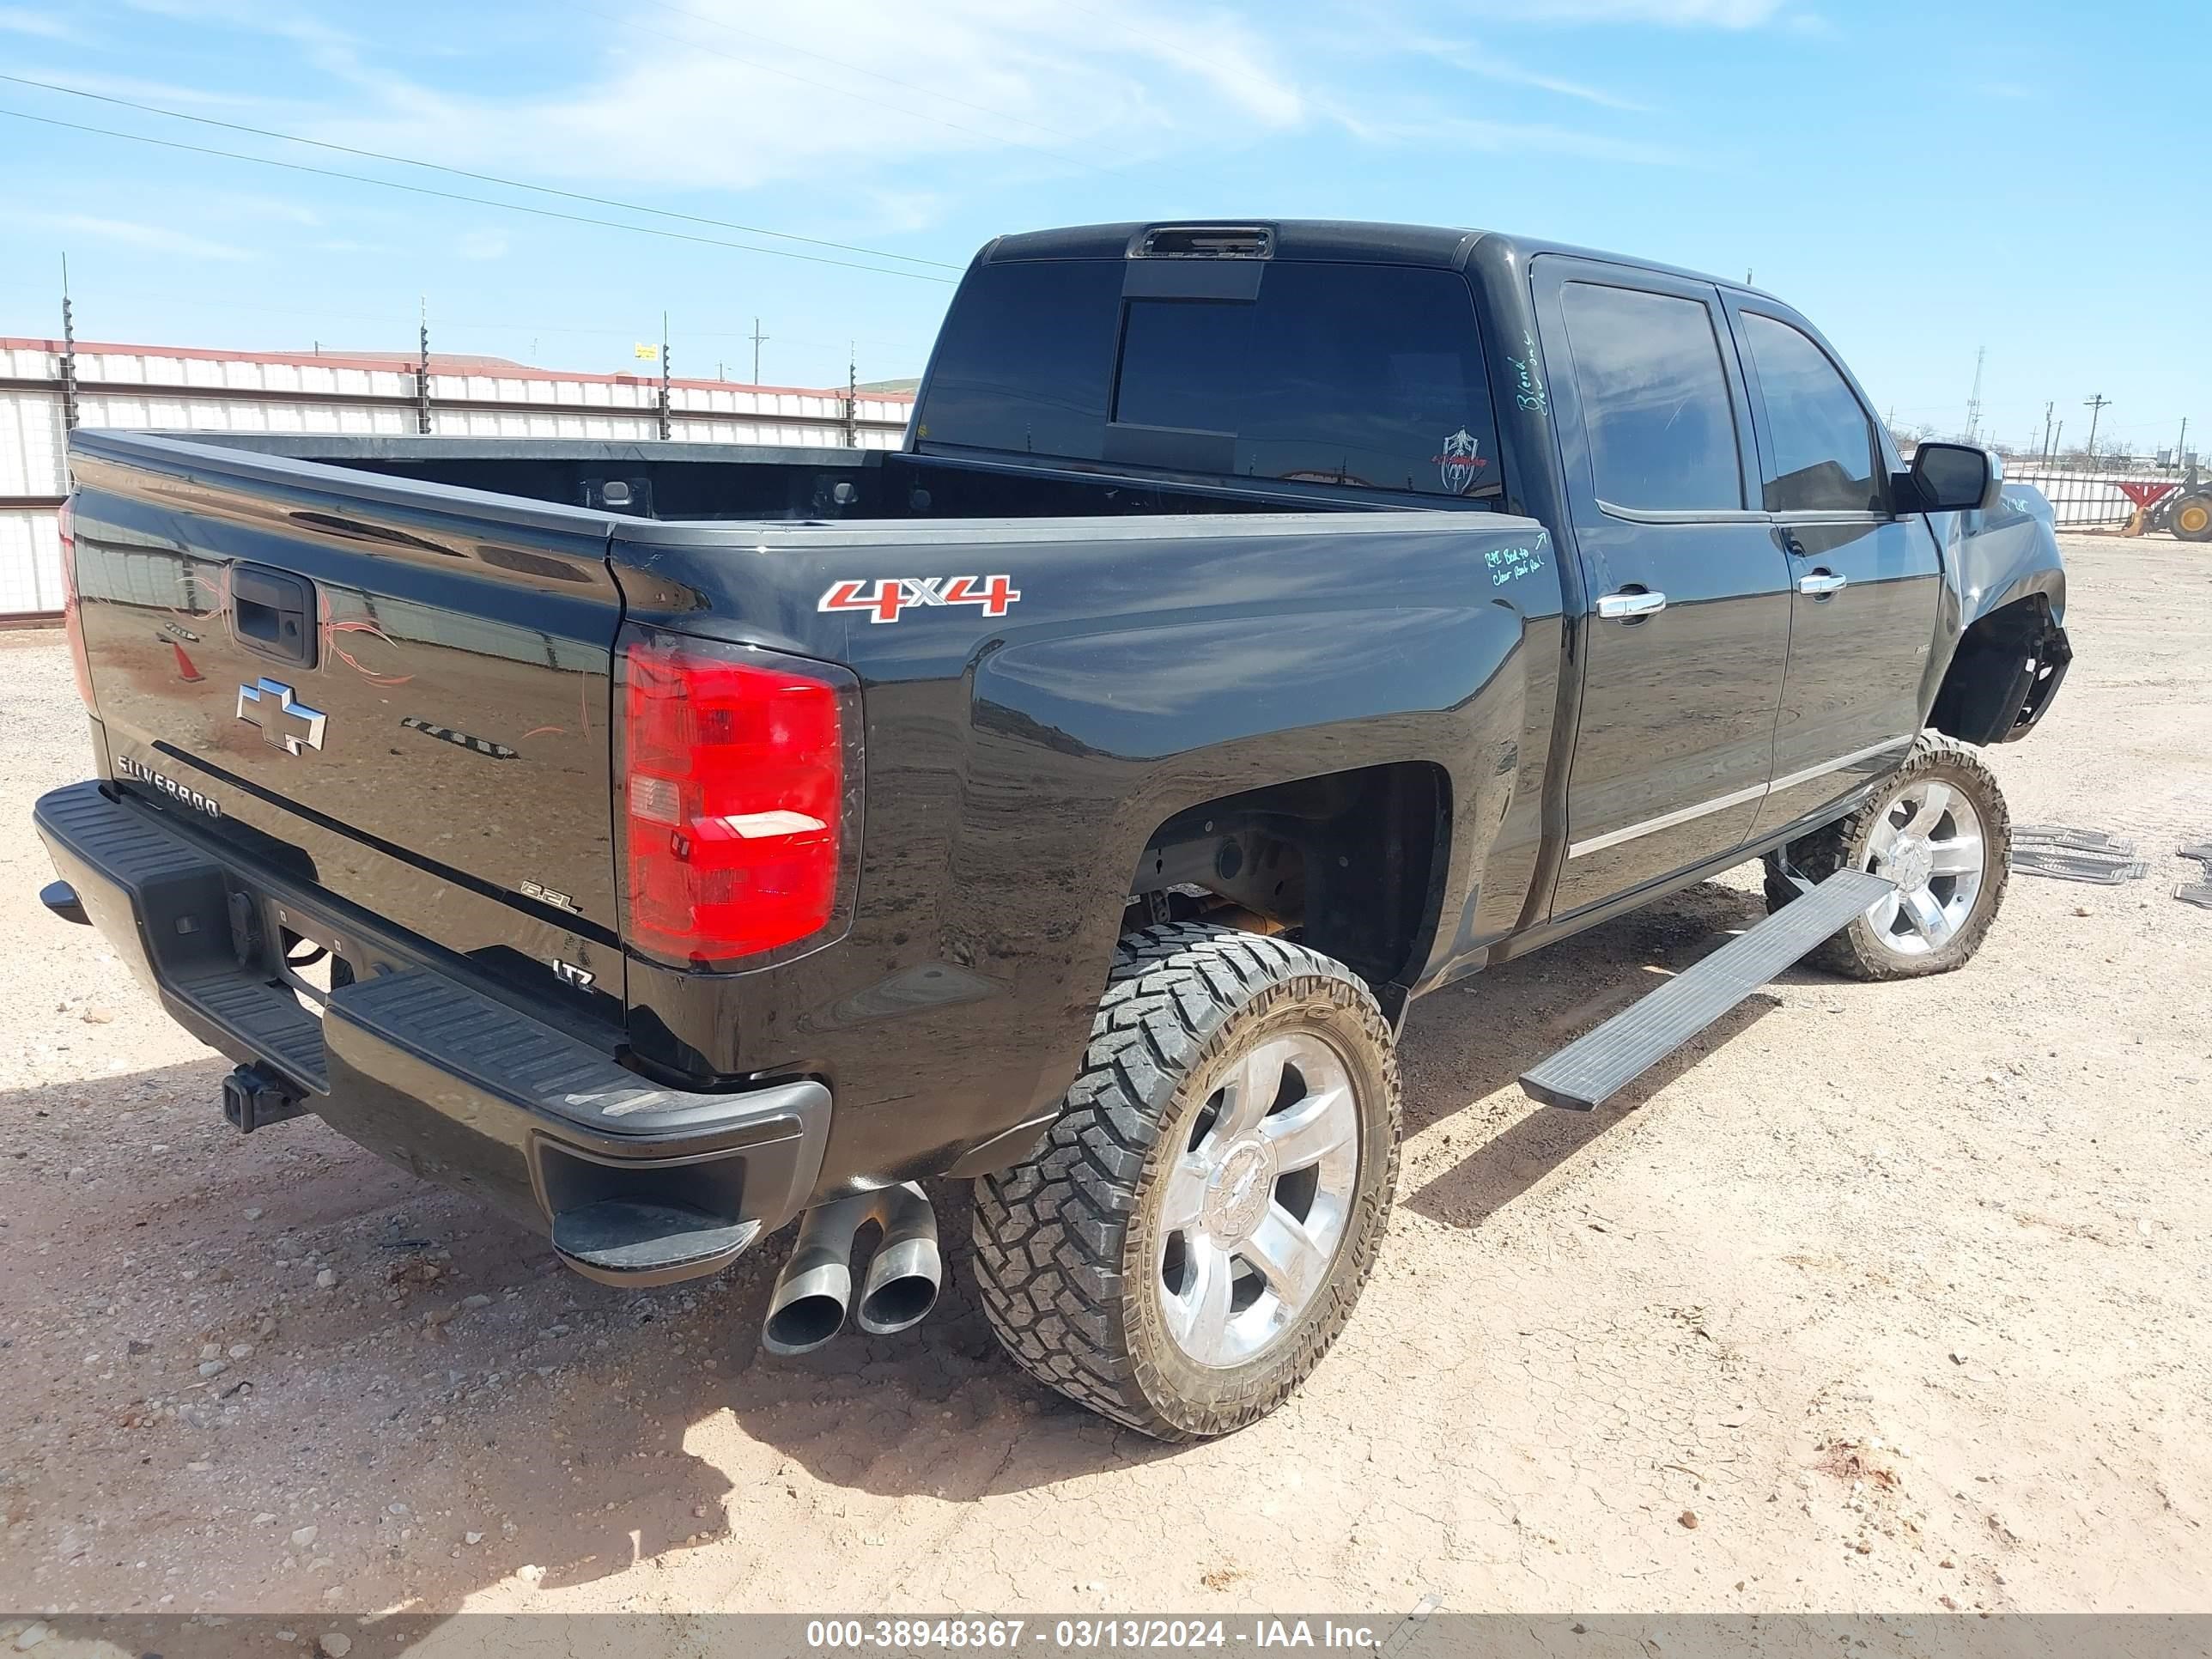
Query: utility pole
2046	429
1974	397
2095	406
663	375
757	338
2058	441
2181	444
423	373
69	354
853	395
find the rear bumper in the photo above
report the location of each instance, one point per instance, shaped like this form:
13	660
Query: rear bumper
634	1183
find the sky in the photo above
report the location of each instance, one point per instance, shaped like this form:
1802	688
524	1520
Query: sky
1924	181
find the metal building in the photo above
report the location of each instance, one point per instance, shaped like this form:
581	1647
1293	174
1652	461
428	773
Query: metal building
185	389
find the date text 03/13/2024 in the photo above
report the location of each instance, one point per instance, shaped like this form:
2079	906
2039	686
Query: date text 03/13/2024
1085	1634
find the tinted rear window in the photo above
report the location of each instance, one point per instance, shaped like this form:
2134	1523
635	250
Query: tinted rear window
1025	359
1360	374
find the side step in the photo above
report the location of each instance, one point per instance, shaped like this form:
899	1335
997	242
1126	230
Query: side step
1594	1068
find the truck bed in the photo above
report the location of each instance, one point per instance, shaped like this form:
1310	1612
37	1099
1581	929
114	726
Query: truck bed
443	752
691	482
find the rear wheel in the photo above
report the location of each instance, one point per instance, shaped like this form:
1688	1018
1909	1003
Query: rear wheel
1938	828
1196	1228
2191	518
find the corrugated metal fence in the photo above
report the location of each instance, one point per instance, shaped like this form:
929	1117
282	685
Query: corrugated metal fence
188	390
2087	498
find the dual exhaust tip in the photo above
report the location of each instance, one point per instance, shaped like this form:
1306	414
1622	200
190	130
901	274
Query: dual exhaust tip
814	1293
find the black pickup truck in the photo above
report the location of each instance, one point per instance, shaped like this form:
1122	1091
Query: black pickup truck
1264	624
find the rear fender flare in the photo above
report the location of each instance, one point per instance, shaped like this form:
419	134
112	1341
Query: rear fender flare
1120	731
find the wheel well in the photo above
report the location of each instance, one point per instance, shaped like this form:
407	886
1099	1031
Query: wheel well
1349	861
2002	675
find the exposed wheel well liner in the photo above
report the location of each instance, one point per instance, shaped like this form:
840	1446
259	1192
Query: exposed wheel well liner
2003	674
1353	860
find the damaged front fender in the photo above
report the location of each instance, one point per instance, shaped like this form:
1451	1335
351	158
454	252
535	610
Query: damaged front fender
2007	589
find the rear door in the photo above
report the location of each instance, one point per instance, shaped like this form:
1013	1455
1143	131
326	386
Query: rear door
1865	581
1688	632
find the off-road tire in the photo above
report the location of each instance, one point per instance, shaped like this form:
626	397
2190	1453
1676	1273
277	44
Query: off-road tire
2191	518
1063	1240
1856	953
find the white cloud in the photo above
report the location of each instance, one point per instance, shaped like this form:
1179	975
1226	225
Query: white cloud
330	49
903	109
484	245
18	20
1382	38
243	204
1673	14
1450	134
703	96
132	232
132	88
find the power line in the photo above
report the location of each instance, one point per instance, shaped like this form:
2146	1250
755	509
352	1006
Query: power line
479	201
509	325
888	80
481	178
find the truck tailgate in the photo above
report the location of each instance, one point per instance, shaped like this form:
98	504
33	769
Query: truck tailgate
368	680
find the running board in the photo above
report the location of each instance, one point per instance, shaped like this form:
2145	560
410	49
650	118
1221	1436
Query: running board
1594	1068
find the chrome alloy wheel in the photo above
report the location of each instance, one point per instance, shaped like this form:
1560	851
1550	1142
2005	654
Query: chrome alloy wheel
1257	1205
1929	843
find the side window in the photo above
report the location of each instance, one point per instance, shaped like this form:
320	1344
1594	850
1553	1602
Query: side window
1336	374
1655	399
1825	459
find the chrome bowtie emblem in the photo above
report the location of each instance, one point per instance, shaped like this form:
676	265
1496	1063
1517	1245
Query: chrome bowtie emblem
285	724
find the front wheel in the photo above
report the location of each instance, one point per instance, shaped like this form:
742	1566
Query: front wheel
1938	828
2191	518
1193	1232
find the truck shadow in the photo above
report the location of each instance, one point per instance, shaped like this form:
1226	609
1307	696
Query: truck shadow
1466	1044
453	1380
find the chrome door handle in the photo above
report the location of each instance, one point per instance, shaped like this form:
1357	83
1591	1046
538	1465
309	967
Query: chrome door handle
1822	583
1631	604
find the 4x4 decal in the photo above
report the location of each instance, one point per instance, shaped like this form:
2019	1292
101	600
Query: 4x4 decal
887	597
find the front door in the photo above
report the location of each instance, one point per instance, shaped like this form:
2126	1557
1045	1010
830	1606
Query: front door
1865	581
1688	631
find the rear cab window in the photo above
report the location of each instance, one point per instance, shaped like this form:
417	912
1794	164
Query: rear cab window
1364	376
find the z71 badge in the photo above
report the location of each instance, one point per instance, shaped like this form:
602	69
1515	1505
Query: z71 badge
887	597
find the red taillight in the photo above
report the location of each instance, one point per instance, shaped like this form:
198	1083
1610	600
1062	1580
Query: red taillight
735	792
72	608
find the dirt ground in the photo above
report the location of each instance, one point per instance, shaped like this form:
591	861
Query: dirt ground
1881	1297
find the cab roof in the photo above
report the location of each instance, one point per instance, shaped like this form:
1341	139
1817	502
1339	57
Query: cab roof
1344	242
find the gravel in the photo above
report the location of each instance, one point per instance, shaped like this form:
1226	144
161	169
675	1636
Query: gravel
1581	1328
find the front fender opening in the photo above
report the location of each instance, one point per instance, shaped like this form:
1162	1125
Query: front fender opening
2004	676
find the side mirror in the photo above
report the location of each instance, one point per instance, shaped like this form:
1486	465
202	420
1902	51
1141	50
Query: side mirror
1953	479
